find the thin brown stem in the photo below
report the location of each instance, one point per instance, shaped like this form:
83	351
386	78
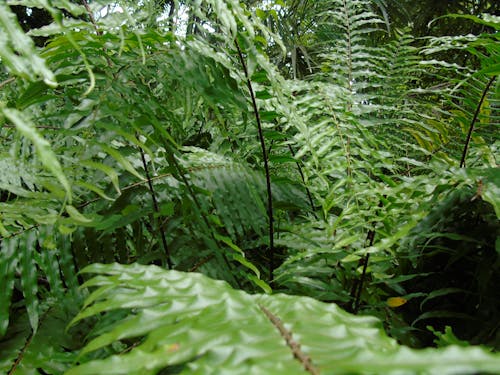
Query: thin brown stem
20	356
91	17
201	263
18	233
7	81
294	346
97	30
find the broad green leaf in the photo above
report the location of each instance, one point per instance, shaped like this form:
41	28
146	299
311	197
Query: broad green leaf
93	188
205	326
264	94
274	135
35	93
269	116
280	159
259	77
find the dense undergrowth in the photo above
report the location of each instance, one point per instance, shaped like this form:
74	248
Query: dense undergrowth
323	171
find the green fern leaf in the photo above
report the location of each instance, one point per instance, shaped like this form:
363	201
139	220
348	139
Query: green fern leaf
29	278
8	262
46	154
17	50
203	326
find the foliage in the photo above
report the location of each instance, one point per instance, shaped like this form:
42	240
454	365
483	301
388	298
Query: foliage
193	324
422	14
28	259
281	147
51	350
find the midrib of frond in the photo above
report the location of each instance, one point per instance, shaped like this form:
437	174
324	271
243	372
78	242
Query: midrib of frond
349	50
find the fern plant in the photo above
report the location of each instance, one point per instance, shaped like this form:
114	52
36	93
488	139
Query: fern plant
372	191
344	133
188	323
131	137
135	194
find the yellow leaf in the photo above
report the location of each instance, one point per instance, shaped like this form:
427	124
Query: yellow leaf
396	301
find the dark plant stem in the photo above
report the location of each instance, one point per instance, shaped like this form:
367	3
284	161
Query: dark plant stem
474	119
266	163
156	209
20	356
171	10
201	263
97	31
308	192
18	233
359	289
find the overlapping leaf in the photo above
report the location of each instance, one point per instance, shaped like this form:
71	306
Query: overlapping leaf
203	326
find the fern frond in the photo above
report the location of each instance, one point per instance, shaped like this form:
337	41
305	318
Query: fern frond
8	264
18	51
472	94
254	333
50	350
35	261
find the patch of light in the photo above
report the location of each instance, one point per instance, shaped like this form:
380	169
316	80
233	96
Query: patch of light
110	8
208	27
181	21
269	5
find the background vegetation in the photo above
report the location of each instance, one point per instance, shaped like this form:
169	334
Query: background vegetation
215	186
